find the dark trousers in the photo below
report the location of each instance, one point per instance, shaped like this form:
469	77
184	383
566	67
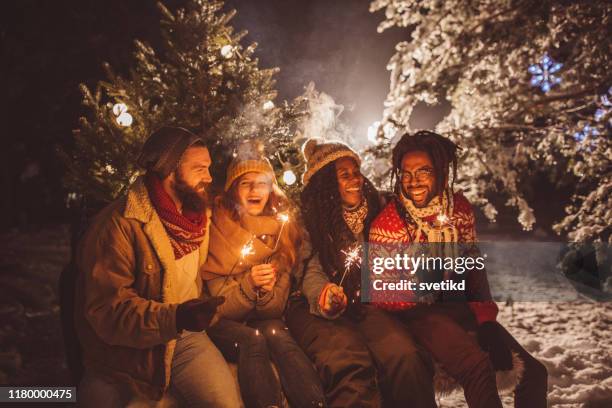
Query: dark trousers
443	329
369	363
253	346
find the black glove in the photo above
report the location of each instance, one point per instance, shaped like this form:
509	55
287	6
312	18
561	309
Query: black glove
196	314
490	337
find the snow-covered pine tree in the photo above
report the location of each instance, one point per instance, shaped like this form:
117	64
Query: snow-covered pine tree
529	84
202	78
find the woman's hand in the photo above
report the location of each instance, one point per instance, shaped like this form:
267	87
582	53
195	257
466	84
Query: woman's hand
332	300
262	275
269	286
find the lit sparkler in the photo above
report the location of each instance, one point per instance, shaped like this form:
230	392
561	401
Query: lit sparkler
247	249
353	257
283	218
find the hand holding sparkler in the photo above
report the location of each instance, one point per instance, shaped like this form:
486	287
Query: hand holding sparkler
262	274
332	300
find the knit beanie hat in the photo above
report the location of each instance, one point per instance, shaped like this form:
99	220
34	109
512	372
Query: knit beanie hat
163	149
249	157
318	153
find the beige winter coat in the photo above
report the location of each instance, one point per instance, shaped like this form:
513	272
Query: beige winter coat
125	312
226	270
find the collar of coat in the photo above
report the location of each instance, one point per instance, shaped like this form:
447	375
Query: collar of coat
139	207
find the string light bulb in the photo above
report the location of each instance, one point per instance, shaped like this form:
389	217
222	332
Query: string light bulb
289	177
268	105
125	119
227	51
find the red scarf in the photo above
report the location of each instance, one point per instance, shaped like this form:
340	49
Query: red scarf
186	231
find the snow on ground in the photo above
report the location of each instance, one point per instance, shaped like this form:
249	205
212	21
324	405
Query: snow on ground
573	341
567	331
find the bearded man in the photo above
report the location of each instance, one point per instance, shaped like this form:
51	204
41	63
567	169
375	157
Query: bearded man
427	212
140	311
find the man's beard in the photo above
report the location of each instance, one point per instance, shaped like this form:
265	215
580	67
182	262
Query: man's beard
191	197
430	194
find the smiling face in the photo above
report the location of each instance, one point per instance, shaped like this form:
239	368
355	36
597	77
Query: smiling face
192	177
253	191
350	181
418	178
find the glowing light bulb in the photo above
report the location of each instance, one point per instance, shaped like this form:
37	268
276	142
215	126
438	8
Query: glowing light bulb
119	108
125	119
227	51
268	105
289	177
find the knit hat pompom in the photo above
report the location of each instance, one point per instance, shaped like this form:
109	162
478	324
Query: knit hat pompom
310	146
318	153
249	157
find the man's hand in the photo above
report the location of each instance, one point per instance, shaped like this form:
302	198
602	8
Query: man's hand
196	314
332	300
262	274
490	339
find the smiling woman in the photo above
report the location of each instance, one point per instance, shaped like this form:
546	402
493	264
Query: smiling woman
350	181
255	248
253	191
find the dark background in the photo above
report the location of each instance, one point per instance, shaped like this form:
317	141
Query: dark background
49	47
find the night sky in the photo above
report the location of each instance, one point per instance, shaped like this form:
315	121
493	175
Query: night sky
49	47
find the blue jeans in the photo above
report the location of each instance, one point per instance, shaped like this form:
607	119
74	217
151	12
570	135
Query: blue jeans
254	346
200	377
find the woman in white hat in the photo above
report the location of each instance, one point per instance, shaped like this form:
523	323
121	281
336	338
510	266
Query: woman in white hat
364	357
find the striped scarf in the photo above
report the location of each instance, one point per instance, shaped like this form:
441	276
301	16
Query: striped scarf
186	231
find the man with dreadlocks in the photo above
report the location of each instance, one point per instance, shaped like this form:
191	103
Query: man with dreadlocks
428	213
364	356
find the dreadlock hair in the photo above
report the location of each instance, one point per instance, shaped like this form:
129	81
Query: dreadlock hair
441	150
322	214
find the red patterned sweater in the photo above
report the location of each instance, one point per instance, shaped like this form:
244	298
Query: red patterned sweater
389	228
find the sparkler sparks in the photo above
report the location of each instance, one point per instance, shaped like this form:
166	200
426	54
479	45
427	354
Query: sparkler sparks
442	218
353	257
247	249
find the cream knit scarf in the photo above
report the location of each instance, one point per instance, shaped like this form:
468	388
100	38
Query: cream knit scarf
441	229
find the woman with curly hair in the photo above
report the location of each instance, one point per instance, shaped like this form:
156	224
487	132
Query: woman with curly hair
255	247
364	357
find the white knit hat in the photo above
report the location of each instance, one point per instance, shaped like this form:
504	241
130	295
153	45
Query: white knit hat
318	153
